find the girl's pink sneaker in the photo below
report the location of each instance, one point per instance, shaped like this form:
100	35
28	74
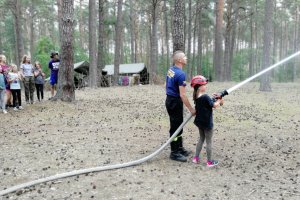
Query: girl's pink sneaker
196	160
212	163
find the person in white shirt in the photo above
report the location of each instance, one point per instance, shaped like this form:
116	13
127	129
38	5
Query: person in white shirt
14	79
27	71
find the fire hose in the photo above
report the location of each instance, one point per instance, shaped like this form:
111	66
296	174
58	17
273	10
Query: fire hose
142	160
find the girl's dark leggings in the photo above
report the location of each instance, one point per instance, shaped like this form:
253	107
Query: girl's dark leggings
205	134
16	97
39	91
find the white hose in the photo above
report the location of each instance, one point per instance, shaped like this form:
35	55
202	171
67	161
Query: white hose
96	169
262	72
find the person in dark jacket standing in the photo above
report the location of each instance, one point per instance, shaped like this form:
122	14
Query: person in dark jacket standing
54	67
176	97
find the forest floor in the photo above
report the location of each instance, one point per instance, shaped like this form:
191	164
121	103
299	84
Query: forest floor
256	140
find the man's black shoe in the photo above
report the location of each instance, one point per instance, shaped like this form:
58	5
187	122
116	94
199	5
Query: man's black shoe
184	152
177	157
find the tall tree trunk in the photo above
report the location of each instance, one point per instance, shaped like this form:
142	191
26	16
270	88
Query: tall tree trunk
228	35
141	42
122	46
200	37
166	32
132	35
51	23
218	50
101	37
265	79
136	44
118	42
26	33
80	21
286	46
257	42
194	60
59	15
294	73
18	30
162	42
296	44
275	41
93	74
66	88
154	41
233	38
178	26
32	16
251	52
189	40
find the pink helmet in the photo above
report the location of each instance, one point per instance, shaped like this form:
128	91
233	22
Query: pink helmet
198	80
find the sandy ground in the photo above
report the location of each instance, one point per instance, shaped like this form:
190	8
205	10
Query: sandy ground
256	140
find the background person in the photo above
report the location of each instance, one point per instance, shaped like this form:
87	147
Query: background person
6	69
27	73
54	67
14	78
39	79
2	91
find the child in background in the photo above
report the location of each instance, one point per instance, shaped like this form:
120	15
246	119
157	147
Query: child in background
5	70
39	80
54	67
2	91
14	78
204	118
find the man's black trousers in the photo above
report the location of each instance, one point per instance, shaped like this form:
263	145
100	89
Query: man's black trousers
174	107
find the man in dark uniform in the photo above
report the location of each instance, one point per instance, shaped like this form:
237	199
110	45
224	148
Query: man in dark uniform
176	97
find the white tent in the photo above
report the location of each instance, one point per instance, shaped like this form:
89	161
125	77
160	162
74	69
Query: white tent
134	68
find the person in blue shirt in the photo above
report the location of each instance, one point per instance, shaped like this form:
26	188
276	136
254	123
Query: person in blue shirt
176	97
54	67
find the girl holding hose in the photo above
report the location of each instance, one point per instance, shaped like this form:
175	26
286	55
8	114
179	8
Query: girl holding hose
204	118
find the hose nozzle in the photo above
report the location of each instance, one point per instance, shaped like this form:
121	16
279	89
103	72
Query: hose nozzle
219	95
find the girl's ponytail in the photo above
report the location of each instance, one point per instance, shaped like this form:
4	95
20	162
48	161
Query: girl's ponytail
196	87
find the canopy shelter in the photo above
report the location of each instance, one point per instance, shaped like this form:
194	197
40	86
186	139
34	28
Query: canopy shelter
81	74
130	70
82	67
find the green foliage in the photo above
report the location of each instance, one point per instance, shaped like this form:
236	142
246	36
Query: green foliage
43	48
8	38
127	55
240	66
80	54
162	66
44	45
207	66
108	57
284	73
